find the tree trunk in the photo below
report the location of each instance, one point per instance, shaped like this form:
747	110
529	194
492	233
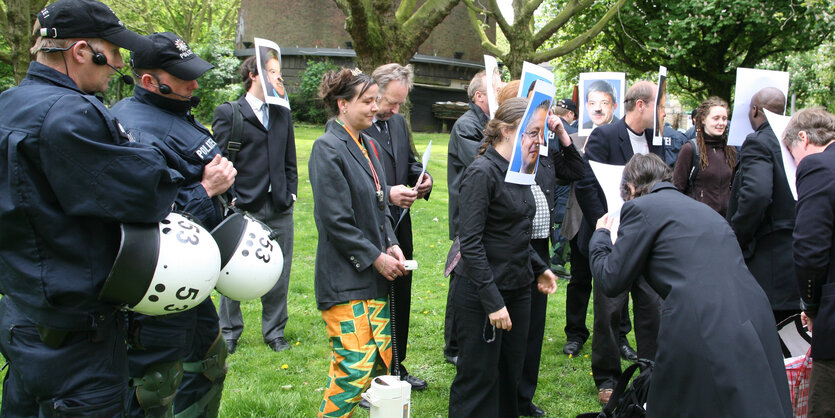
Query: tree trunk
20	15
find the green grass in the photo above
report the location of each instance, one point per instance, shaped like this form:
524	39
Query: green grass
259	385
262	383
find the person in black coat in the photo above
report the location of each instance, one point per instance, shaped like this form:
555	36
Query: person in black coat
565	163
718	350
810	136
615	144
761	207
267	146
391	135
357	254
491	289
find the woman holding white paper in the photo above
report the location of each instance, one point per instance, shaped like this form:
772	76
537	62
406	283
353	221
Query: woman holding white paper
491	292
708	179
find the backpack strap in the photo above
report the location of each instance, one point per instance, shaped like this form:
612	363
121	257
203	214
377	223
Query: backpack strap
623	383
234	144
694	165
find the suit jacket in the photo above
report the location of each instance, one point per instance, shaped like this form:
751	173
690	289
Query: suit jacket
761	213
464	140
353	228
607	144
401	167
562	164
589	124
262	151
814	246
717	328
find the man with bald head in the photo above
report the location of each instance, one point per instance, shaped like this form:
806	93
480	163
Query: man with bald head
761	210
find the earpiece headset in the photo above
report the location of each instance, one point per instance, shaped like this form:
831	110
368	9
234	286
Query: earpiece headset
98	59
166	89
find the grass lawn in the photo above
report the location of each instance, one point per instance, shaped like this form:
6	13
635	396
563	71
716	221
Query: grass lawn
262	383
289	384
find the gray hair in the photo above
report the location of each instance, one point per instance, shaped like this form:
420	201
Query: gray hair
387	73
818	124
477	84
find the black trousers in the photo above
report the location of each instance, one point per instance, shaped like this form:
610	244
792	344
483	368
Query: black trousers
536	332
490	362
821	401
86	375
450	341
400	316
577	295
605	353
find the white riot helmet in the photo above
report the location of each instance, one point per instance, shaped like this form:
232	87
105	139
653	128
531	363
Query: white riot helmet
251	260
164	268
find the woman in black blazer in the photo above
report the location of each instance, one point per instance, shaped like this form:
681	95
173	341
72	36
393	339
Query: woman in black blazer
491	292
357	253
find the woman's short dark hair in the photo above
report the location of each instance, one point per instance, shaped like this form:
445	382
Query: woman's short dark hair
343	84
643	171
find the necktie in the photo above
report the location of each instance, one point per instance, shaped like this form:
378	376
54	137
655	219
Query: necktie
265	116
383	126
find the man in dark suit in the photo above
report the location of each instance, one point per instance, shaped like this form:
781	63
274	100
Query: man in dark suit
391	136
266	187
761	207
810	136
615	144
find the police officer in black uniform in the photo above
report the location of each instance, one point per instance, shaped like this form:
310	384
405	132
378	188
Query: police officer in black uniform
184	348
69	175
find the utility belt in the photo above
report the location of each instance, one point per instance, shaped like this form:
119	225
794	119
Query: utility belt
100	327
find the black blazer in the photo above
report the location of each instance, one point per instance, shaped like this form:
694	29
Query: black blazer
814	246
353	228
761	213
401	167
607	144
712	304
262	152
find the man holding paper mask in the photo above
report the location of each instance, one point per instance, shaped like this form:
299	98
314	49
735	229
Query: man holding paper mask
761	210
615	144
391	137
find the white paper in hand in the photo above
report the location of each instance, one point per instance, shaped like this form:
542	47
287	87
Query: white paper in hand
778	125
609	177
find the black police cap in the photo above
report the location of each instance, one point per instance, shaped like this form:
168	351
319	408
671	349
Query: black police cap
87	19
170	53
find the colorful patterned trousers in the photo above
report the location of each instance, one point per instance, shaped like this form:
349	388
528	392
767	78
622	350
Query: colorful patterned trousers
360	339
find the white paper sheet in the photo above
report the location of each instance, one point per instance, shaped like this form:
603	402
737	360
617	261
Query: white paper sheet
532	73
425	161
778	125
748	83
609	177
618	83
658	123
264	51
522	170
490	68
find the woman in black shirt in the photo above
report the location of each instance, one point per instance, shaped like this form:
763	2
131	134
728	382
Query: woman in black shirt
491	291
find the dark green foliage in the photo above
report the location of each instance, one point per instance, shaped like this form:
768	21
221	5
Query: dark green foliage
305	105
219	84
706	40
